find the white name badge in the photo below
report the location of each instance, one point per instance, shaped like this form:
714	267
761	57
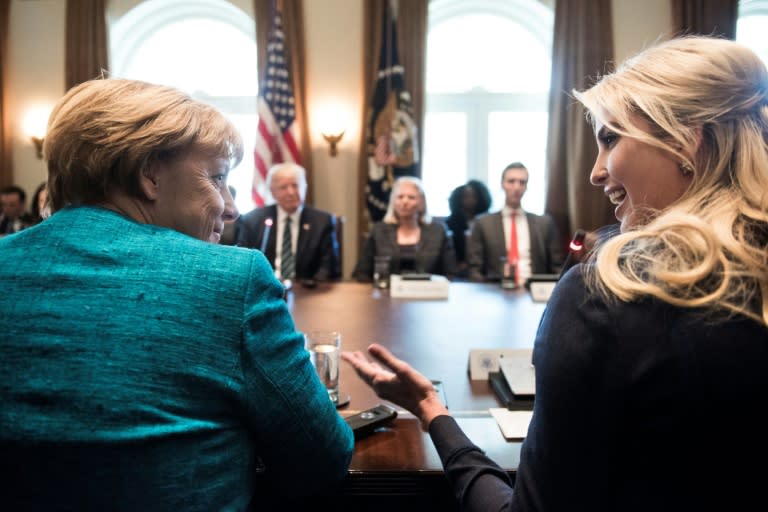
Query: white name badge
542	290
482	361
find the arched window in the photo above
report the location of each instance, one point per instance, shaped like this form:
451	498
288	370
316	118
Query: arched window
204	47
487	81
752	26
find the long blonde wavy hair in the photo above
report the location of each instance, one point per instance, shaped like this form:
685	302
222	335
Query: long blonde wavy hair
709	249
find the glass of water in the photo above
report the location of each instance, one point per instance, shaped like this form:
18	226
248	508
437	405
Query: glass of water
324	351
508	273
381	271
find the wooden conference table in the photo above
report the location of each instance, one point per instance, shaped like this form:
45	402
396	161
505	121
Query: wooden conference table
398	465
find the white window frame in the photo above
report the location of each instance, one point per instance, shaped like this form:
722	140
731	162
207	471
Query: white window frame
749	8
128	33
478	104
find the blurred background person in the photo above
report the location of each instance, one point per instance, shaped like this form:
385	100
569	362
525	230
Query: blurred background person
641	346
13	216
38	208
408	235
539	246
151	368
298	240
465	202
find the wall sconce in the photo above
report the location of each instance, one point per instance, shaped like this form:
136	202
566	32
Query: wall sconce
333	140
38	143
35	121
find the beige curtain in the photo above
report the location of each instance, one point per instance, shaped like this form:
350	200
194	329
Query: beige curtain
293	24
87	50
412	50
412	47
709	17
582	50
6	160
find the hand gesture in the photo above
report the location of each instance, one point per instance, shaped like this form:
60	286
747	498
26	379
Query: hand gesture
397	382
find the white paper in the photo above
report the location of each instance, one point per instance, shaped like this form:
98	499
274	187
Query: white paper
513	424
542	290
482	361
437	287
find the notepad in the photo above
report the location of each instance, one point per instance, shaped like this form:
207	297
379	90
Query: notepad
519	372
513	424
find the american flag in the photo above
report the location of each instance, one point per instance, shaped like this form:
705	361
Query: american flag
275	141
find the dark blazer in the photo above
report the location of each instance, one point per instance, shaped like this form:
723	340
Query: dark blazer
458	227
487	246
638	405
434	252
317	250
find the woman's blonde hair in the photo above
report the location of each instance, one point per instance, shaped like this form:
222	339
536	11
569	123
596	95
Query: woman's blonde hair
103	134
391	217
710	248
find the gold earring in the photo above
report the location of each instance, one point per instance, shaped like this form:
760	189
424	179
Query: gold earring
686	169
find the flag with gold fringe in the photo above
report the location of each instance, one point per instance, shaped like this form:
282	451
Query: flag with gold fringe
391	132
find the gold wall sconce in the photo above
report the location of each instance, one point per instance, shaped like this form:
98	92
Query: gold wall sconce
332	119
333	140
38	143
35	121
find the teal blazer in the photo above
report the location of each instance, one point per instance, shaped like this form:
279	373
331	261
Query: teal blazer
142	369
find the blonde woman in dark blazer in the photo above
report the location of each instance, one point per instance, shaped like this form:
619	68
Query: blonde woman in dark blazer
651	355
408	235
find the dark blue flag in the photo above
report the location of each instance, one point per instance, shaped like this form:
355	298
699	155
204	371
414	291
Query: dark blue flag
391	130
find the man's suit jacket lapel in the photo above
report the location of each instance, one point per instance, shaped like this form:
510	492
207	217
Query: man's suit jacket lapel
499	241
271	213
536	243
305	228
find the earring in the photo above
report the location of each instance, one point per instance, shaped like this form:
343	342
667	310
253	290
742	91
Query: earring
686	169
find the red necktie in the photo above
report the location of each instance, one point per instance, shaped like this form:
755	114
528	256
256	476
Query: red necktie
512	254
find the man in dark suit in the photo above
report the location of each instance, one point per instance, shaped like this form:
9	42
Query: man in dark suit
538	242
13	218
299	240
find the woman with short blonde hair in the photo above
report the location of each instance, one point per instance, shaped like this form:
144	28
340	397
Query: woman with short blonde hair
407	235
144	365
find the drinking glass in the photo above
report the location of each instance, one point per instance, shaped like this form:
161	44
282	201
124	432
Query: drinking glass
324	351
507	270
381	271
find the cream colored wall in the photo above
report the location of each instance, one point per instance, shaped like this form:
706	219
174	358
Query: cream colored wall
335	97
638	24
334	67
35	78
